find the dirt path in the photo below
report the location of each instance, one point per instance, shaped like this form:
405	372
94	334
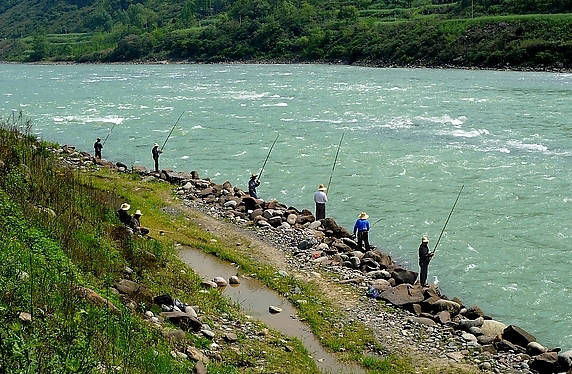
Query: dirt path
390	326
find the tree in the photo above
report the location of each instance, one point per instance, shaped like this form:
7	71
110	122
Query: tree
40	47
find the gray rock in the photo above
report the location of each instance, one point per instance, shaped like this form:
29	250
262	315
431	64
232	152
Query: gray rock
357	254
322	247
231	203
443	317
518	336
200	368
275	221
475	331
230	337
491	327
565	360
291	219
423	321
187	186
314	225
234	280
469	337
535	348
190	311
220	281
485	340
274	309
183	320
403	295
448	305
379	274
355	262
545	363
466	324
304	244
208	284
208	333
402	276
380	284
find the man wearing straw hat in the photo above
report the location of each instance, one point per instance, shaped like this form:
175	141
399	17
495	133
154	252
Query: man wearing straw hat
124	215
98	146
424	258
252	184
320	198
362	228
136	223
156	152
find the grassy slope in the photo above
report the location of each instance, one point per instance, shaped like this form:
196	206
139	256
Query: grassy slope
44	258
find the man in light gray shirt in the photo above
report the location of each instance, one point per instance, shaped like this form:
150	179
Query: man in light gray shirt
320	198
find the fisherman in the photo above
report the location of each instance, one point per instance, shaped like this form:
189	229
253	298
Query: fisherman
320	198
252	184
156	152
424	258
136	224
98	146
124	215
362	228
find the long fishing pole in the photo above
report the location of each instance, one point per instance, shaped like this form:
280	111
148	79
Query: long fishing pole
447	221
109	133
175	125
335	161
267	156
379	220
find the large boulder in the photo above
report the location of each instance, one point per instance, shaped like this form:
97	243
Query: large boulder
134	290
404	276
338	231
183	320
545	363
448	305
176	177
474	312
384	260
403	294
565	360
535	348
518	336
491	327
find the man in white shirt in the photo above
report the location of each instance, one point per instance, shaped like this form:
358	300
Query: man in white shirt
320	198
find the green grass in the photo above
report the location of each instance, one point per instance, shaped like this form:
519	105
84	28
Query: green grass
44	258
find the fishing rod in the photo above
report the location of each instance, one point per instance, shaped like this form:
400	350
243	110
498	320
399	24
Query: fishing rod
175	125
267	156
379	220
447	221
335	161
109	133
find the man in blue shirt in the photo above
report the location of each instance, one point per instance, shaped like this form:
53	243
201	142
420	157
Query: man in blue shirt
362	229
252	184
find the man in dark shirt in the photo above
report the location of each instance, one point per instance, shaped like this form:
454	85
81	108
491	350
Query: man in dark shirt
124	215
136	224
252	184
424	258
98	146
156	152
361	227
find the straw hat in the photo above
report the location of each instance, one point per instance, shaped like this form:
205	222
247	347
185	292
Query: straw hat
138	213
424	239
363	215
125	206
155	145
321	187
253	176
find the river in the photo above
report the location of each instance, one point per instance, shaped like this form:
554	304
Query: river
412	138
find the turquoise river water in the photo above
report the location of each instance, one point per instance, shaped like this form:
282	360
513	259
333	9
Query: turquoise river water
412	138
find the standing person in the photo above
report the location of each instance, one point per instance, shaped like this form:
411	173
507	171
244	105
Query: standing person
362	228
424	258
124	215
98	146
320	198
252	184
156	152
136	224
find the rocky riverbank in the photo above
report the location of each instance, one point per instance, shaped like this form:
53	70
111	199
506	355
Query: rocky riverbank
419	319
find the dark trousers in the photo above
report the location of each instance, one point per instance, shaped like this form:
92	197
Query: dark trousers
423	273
363	237
156	164
98	154
320	211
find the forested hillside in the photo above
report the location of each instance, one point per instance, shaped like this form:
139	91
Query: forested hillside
483	33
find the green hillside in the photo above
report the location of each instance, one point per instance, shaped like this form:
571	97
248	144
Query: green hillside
483	33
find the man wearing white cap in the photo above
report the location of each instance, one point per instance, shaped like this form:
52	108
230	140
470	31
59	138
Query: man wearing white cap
124	215
320	198
362	228
424	258
156	152
136	223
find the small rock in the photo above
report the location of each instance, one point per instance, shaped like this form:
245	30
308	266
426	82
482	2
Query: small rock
274	309
469	337
234	280
25	317
535	348
208	333
230	337
149	314
199	368
190	311
220	281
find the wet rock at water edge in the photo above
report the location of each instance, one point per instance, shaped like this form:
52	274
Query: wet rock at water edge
545	363
220	281
234	280
534	348
403	294
518	336
492	327
208	284
274	309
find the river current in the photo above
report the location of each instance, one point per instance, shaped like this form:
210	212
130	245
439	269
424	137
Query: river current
412	138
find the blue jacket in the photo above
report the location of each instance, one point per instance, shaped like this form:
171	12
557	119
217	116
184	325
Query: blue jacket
361	225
